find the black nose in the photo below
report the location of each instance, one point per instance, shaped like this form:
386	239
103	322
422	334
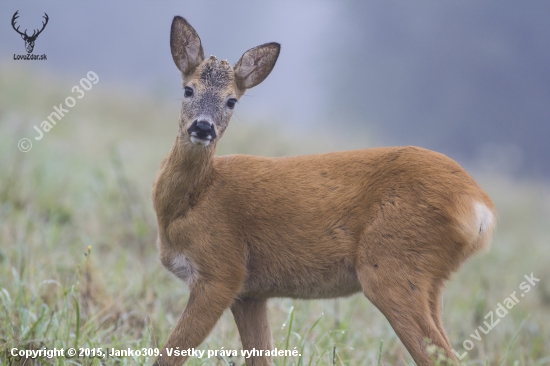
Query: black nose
203	126
202	129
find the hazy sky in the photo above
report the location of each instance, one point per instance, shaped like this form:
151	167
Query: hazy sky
468	78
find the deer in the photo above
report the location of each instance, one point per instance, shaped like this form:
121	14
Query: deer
391	222
29	40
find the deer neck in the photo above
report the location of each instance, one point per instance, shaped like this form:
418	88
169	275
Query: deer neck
183	177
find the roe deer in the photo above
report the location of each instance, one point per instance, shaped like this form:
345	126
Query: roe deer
391	222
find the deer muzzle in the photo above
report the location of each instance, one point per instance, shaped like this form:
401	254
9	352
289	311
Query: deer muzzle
202	132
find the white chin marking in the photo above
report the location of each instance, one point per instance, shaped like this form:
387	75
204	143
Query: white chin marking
198	141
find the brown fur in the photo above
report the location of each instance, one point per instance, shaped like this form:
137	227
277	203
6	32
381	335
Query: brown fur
393	223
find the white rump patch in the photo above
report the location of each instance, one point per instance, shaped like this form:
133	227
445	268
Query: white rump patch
484	218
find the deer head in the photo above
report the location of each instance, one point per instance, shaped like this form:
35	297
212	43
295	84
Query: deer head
29	40
213	87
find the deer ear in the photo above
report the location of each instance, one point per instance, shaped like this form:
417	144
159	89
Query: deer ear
256	64
185	45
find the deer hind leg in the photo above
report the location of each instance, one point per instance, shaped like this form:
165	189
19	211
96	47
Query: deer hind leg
405	302
251	318
399	275
435	302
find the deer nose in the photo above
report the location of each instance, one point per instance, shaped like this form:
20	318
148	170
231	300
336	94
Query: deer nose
202	130
204	127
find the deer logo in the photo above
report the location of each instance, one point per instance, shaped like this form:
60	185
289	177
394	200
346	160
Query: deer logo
29	40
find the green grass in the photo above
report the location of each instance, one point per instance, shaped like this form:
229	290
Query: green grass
79	267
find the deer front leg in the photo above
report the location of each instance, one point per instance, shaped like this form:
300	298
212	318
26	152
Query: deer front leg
207	302
251	318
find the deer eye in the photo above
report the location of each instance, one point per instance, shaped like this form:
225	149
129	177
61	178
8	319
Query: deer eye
231	103
188	92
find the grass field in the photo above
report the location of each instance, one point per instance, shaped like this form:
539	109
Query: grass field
79	267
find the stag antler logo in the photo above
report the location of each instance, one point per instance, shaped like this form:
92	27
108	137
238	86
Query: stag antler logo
29	40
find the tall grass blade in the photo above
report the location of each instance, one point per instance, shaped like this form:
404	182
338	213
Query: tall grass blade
378	362
77	332
289	331
512	342
303	343
31	330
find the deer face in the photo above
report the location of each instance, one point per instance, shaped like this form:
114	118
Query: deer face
210	94
213	87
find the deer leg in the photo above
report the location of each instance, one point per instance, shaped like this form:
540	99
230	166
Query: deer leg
207	303
435	302
405	302
251	318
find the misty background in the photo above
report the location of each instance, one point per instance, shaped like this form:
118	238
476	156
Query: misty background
78	260
469	79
